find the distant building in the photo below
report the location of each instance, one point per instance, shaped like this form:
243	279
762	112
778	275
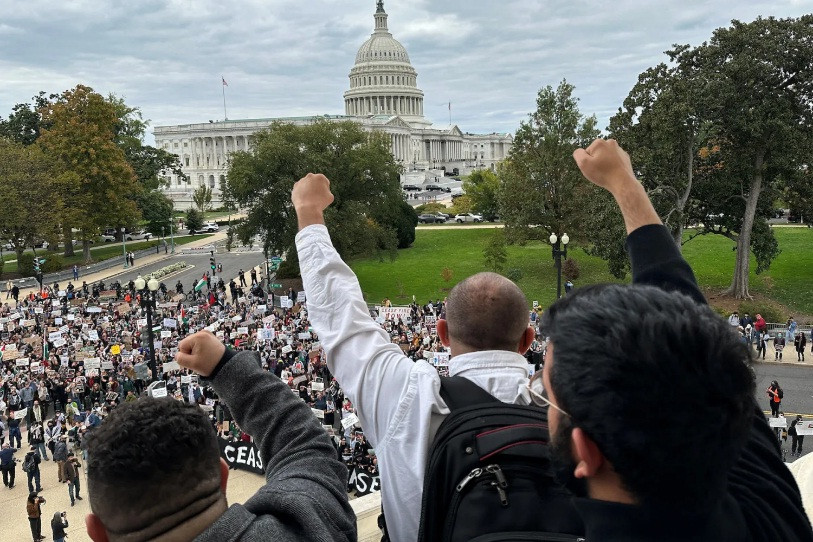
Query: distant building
383	96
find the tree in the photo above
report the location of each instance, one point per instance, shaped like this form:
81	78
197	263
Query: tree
202	198
362	173
157	211
758	93
81	135
24	123
495	253
398	215
29	182
194	219
542	191
482	187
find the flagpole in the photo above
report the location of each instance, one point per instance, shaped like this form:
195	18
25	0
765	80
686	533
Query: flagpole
450	113
223	86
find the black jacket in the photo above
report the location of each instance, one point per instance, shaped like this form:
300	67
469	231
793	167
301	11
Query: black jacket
763	501
58	525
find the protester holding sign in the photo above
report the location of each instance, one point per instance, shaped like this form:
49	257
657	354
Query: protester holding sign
304	497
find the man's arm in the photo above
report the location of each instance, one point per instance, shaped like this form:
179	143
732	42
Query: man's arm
374	373
302	471
654	256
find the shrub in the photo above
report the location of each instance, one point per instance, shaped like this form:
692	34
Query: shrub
25	264
768	312
53	263
514	274
570	269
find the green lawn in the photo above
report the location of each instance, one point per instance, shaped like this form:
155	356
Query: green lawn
417	270
111	250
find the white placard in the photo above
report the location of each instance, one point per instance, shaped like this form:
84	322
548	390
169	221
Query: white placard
319	413
38	310
165	333
20	414
93	335
107	365
781	421
22	362
349	421
440	359
393	313
260	308
283	300
141	322
265	334
54	335
536	304
58	321
237	318
186	379
300	297
170	366
804	428
94	309
242	331
304	336
317	386
93	363
170	323
287	348
71	317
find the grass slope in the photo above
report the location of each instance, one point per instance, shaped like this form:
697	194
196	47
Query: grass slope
417	270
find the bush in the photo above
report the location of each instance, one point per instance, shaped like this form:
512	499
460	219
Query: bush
570	269
25	264
288	269
768	312
514	274
194	219
53	263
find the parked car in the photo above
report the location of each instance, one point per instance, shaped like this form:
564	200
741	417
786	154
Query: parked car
437	188
207	227
410	188
138	235
443	216
428	218
468	217
107	238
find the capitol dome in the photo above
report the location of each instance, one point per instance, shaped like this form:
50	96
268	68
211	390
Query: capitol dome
383	81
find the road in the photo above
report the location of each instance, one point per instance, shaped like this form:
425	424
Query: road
796	381
198	263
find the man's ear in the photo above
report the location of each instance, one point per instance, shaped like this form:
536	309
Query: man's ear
443	331
526	340
95	528
224	475
588	457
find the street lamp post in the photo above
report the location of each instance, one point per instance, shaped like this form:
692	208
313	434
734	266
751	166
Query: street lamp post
558	253
124	248
147	291
171	236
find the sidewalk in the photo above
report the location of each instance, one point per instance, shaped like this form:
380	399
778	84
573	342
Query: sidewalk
139	263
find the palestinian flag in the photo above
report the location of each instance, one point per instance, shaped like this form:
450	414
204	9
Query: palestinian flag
199	286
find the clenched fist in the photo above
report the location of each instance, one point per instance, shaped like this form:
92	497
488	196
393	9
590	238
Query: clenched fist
200	352
311	196
605	164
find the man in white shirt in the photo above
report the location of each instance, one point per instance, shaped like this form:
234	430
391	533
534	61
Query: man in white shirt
398	400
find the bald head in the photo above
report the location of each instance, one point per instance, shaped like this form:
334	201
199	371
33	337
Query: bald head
487	312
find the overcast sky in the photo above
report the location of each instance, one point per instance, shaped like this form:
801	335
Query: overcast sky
292	57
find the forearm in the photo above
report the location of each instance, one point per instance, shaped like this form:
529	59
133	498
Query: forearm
308	217
287	434
635	206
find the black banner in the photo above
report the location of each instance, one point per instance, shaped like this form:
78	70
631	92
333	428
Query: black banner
242	455
363	482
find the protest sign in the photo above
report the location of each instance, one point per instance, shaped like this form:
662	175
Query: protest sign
394	313
287	348
93	363
141	322
242	455
317	386
440	359
20	414
21	362
38	310
54	335
265	334
93	335
123	308
804	428
300	297
60	342
107	365
778	422
93	309
170	323
142	371
363	482
186	379
165	333
170	366
115	350
242	331
349	421
283	300
318	412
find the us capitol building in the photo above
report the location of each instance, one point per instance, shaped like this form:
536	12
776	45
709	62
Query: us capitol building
383	96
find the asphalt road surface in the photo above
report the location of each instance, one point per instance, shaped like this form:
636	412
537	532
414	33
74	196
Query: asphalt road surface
796	381
198	263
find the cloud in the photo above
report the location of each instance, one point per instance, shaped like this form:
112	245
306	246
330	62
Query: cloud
288	57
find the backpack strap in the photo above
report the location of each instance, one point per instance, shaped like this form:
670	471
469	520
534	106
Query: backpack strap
459	392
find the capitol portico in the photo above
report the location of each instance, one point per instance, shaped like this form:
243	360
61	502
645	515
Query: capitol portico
383	96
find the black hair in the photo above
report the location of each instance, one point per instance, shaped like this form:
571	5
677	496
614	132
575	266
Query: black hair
149	448
659	382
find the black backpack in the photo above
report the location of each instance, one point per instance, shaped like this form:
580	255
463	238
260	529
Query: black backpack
488	475
29	463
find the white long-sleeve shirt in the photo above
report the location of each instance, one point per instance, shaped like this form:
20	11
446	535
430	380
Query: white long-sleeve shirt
397	400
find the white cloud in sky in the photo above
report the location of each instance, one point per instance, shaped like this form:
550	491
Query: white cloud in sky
289	57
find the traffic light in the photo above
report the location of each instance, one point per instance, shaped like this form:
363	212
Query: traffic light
212	263
37	270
